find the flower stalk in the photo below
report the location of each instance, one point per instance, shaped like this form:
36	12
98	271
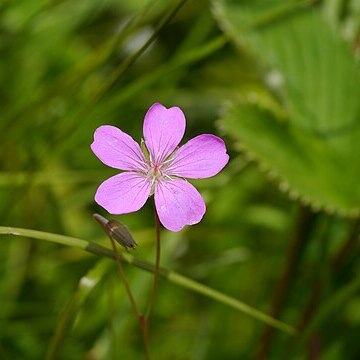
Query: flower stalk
157	267
140	318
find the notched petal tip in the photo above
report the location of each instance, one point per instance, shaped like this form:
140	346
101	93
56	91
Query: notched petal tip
160	107
157	105
163	130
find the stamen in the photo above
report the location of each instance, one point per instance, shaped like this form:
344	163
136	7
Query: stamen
167	161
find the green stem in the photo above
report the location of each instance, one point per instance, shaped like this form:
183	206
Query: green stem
157	267
276	13
146	319
145	331
169	275
329	307
67	316
142	322
120	70
140	318
122	277
301	237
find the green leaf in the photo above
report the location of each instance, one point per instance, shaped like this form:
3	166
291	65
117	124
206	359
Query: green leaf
306	166
315	153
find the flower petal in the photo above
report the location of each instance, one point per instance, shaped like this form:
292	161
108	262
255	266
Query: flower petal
163	130
123	193
201	157
178	204
117	149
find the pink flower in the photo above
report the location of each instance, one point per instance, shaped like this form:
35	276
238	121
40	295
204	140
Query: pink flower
160	172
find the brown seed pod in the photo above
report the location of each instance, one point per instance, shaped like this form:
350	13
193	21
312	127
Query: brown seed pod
117	231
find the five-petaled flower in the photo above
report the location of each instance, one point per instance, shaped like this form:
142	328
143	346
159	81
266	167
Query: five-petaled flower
161	171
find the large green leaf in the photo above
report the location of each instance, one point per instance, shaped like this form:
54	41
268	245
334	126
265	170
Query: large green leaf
306	166
316	152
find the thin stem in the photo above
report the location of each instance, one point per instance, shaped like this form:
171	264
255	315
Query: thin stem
140	318
146	318
303	228
313	306
157	267
113	347
122	276
329	306
145	331
348	246
172	276
123	67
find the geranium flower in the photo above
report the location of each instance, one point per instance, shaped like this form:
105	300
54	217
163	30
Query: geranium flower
161	171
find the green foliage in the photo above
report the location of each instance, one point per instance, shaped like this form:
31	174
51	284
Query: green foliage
312	146
278	80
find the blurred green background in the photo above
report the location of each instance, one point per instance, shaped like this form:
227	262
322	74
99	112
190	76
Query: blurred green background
279	81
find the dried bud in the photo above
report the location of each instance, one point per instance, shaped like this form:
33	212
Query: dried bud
117	231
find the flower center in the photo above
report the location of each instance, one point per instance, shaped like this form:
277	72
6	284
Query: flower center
154	174
154	171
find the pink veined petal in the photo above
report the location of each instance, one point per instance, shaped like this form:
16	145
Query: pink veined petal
178	203
123	193
201	157
163	130
117	149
